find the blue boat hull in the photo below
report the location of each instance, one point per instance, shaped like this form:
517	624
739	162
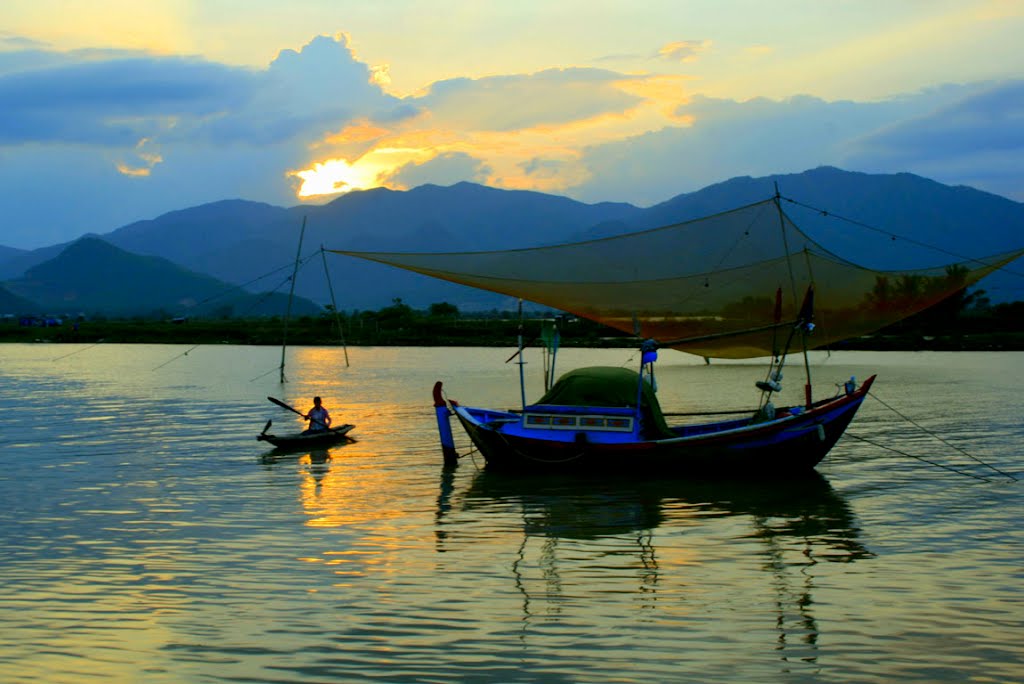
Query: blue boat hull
797	440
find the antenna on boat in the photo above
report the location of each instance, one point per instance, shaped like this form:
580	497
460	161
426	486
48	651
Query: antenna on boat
550	336
291	294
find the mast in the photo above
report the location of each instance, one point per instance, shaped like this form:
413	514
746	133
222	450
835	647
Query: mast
291	294
522	379
807	308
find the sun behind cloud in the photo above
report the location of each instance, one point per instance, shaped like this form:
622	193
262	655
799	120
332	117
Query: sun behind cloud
375	169
331	177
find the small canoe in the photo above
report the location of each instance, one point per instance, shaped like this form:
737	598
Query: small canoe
302	440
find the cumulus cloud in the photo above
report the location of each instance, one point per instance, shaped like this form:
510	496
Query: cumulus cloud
114	102
146	123
727	138
976	139
444	169
507	103
991	121
117	99
105	137
545	168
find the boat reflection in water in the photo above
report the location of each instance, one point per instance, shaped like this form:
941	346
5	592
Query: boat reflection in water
805	507
316	462
670	543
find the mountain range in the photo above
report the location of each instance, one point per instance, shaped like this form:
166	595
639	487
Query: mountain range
93	277
177	260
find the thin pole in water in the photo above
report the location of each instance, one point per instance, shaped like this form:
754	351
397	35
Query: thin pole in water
291	294
337	318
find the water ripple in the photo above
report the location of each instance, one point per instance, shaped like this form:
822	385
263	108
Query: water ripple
149	537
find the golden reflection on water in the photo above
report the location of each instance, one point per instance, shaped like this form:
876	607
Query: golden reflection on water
157	549
331	496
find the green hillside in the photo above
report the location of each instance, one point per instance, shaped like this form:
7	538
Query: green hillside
93	277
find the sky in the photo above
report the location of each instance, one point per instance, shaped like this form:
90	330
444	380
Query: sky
113	111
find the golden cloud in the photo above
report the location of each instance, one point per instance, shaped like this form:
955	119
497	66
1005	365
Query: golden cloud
149	159
684	50
542	156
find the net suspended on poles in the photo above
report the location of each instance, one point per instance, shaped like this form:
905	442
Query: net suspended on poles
706	286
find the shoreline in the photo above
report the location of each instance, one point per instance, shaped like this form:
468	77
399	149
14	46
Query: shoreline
241	334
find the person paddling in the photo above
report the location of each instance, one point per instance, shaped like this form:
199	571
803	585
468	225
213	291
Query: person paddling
318	417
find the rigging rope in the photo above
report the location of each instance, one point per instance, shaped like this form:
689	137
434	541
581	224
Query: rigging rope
919	458
892	235
184	353
78	351
944	441
256	303
302	263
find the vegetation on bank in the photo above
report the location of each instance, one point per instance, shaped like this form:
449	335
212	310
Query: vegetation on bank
396	325
962	323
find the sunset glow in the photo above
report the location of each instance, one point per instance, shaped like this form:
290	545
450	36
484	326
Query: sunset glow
334	176
374	169
143	108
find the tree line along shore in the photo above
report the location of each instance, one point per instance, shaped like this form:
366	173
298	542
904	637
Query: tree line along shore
953	327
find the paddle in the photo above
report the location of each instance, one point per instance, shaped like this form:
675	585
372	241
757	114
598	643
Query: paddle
295	410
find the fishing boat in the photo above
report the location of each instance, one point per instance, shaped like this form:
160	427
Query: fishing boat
307	439
587	422
321	435
745	283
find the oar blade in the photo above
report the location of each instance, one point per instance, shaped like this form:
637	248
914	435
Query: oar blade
284	405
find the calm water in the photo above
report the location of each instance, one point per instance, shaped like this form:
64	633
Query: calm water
148	537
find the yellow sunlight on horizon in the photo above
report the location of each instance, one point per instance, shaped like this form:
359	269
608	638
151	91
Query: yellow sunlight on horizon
330	177
545	157
336	177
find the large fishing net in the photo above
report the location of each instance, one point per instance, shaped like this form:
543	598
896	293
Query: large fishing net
725	286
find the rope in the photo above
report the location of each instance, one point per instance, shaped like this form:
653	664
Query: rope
944	441
263	375
334	304
578	455
78	351
893	236
235	288
184	353
925	460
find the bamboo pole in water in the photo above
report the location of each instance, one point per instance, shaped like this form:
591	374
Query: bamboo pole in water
291	294
337	318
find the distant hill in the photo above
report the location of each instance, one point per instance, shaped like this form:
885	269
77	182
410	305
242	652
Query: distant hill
92	277
960	220
882	221
13	305
254	244
239	241
9	253
22	260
